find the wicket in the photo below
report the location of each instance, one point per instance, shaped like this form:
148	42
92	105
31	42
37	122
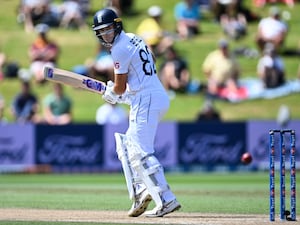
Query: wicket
284	214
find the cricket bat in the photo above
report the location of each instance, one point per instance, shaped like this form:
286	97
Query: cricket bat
74	79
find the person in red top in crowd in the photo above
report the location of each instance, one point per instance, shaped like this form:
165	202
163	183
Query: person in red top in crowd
42	52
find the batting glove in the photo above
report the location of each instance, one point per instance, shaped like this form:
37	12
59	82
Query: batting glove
109	95
125	98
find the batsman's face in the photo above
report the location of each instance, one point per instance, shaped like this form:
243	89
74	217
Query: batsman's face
107	33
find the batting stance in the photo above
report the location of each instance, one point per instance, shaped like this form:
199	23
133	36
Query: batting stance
136	83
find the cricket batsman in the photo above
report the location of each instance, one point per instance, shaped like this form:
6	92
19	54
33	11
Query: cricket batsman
137	84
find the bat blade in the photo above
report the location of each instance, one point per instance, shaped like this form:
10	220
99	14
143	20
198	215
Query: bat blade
73	79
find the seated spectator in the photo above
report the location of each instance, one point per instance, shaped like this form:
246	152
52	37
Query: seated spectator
30	11
85	7
174	72
25	105
270	68
33	12
8	68
223	7
234	27
208	112
271	29
187	15
151	31
221	69
102	66
42	52
57	107
111	114
72	16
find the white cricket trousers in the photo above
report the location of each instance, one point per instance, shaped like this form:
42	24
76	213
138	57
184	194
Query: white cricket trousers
145	114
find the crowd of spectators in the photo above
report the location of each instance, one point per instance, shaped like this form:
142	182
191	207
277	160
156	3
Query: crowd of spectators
219	68
26	106
65	14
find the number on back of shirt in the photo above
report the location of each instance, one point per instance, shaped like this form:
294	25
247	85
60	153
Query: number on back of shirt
148	64
146	57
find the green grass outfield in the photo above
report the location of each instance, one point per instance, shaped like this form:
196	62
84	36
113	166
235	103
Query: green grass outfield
219	193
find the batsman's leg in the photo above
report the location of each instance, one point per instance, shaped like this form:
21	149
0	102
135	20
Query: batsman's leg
151	172
136	189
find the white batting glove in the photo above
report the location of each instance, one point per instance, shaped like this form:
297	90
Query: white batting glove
109	95
125	98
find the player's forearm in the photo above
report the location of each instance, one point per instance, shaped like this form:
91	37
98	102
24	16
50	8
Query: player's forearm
120	84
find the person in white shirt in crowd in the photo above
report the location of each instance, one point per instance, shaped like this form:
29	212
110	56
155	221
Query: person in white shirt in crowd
72	15
271	29
31	12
